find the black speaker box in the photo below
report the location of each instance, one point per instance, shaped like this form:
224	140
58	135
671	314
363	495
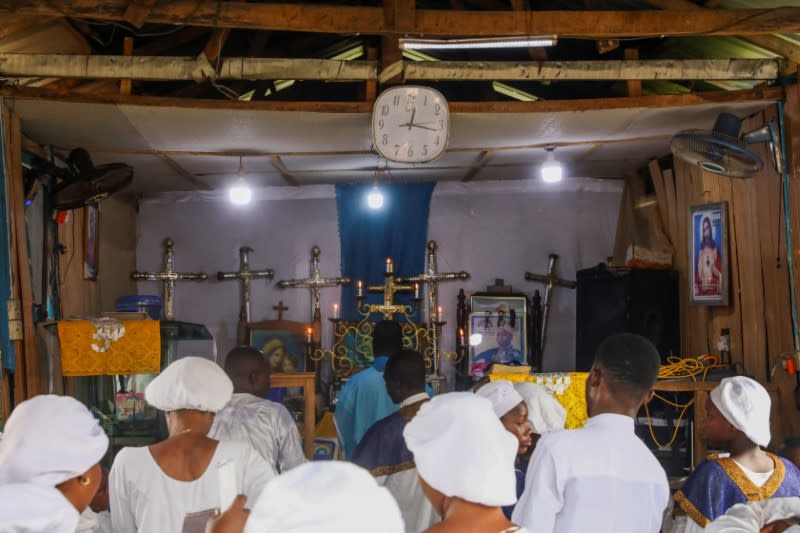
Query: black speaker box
611	301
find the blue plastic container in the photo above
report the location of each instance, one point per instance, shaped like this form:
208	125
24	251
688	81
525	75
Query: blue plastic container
138	303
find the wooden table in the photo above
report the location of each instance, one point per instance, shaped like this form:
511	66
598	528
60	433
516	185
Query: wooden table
305	380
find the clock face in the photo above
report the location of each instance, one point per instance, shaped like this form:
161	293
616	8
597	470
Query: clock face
410	124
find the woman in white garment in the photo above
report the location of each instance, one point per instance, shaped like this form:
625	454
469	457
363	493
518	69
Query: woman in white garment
465	459
49	465
152	489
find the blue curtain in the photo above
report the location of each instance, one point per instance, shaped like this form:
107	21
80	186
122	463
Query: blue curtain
368	236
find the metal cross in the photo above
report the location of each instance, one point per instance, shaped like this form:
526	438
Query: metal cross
389	288
431	277
280	308
169	277
314	282
550	279
245	275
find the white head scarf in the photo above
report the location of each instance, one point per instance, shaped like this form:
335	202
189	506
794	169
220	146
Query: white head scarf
325	497
28	508
752	516
745	404
48	440
461	449
502	394
544	412
190	383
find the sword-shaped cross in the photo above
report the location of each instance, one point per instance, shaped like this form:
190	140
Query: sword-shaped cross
391	286
245	275
314	282
169	277
550	279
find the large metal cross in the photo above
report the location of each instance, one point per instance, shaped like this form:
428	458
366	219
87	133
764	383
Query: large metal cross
550	279
391	286
314	282
244	275
169	277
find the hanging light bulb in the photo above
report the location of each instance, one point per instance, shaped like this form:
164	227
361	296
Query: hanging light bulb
375	198
552	171
240	193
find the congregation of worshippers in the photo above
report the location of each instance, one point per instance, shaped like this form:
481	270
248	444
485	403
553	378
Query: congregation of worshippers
496	458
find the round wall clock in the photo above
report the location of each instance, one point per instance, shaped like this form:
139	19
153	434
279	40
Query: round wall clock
410	124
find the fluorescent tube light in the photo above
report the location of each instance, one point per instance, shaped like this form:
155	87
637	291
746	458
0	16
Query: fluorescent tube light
473	44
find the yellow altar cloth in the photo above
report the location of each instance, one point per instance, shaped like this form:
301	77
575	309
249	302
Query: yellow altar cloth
138	351
572	397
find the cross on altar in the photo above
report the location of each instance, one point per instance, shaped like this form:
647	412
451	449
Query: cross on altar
245	275
280	308
314	282
550	279
389	288
169	277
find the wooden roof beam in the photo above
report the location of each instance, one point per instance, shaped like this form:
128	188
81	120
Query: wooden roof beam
432	23
137	11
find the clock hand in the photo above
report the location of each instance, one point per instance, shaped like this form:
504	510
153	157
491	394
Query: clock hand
423	127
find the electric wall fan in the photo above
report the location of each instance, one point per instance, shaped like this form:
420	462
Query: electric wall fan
723	151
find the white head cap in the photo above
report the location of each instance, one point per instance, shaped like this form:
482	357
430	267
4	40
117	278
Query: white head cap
27	508
544	411
325	497
190	383
48	440
745	404
502	394
461	449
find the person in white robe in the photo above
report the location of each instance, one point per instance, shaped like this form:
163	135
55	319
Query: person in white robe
383	451
153	488
465	459
49	465
755	515
601	478
266	425
325	497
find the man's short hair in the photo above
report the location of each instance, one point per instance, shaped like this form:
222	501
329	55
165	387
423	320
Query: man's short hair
387	338
243	359
406	367
629	362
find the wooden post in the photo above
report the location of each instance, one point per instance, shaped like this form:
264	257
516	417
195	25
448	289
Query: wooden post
699	444
634	86
127	49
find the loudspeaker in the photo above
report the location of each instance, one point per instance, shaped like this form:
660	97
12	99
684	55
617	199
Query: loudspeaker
611	301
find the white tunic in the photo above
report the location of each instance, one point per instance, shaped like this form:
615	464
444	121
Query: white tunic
601	478
267	426
144	499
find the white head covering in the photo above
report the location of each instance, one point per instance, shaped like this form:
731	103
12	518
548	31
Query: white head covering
48	440
752	516
745	404
190	383
502	394
544	411
325	497
27	508
461	449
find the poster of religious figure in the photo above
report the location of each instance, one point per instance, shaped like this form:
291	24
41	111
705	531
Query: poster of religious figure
283	349
497	332
708	257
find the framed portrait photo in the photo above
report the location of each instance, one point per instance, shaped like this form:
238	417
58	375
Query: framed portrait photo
498	332
91	221
708	254
283	346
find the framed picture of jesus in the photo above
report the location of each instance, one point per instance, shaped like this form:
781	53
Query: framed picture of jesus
708	254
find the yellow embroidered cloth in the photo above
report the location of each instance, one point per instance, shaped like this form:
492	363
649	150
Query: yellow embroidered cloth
138	351
572	397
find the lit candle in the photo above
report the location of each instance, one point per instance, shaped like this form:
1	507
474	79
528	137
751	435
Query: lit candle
389	265
308	335
335	310
359	289
416	290
461	336
440	312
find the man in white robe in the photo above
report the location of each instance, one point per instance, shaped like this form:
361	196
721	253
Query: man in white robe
383	450
325	497
153	488
601	478
266	425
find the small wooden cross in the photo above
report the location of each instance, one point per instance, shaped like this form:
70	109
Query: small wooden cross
280	308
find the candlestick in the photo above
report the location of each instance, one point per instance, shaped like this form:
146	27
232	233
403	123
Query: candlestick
461	336
389	265
335	310
308	335
440	313
359	289
416	290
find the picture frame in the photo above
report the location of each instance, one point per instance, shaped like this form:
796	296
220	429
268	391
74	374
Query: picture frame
498	331
91	248
282	342
708	271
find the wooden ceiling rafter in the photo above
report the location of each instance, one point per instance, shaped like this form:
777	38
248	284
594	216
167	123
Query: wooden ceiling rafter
284	171
433	23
